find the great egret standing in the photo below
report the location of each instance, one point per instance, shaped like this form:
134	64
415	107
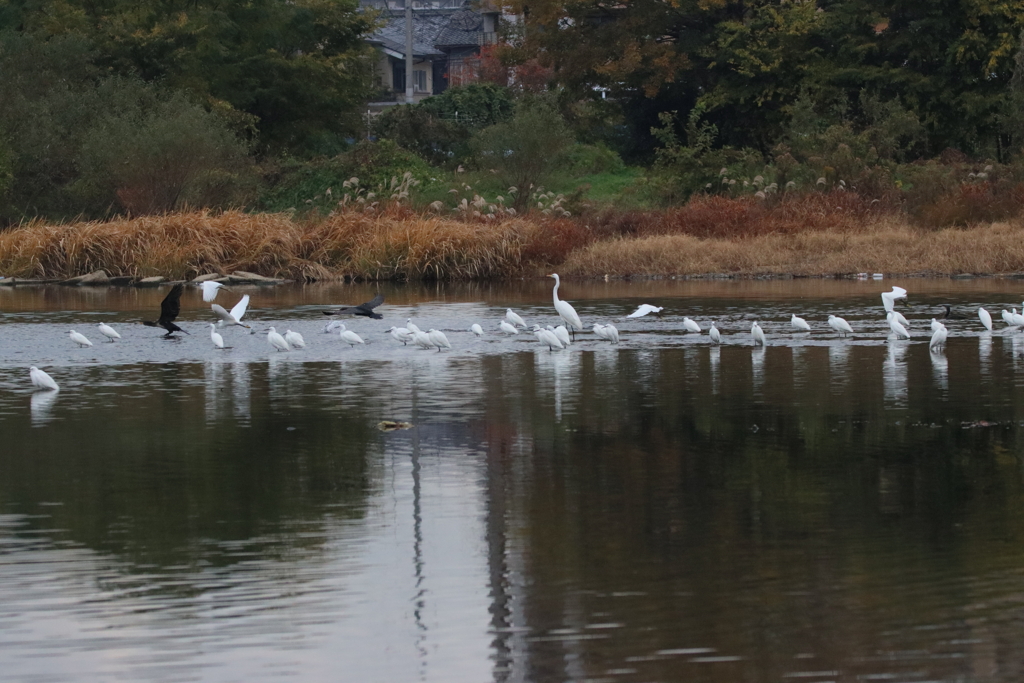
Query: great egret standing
109	332
644	309
507	329
565	310
1016	319
986	318
277	341
840	325
41	380
900	319
476	329
294	339
938	337
235	316
799	323
217	340
437	338
422	339
715	335
691	326
898	329
79	339
758	334
514	318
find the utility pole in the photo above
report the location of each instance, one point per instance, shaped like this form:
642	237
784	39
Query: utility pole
409	99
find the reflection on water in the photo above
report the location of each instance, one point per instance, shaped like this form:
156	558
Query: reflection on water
894	373
665	509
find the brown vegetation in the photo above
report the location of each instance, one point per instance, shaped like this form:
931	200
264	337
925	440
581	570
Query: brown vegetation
814	235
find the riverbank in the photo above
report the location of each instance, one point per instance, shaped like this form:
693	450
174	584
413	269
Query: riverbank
400	244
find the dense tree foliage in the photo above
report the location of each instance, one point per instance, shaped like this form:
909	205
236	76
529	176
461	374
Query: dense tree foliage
292	71
748	62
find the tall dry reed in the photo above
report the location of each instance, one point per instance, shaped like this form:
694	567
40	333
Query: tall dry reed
881	247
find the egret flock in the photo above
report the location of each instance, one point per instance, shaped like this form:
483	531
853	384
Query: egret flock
552	337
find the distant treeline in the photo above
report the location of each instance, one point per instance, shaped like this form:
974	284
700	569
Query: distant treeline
112	108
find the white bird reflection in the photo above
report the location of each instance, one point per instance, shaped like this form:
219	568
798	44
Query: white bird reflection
985	353
560	366
213	375
838	364
41	407
757	367
894	374
940	369
1017	349
241	392
606	361
715	358
799	355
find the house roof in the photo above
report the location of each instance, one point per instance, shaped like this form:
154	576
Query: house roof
432	31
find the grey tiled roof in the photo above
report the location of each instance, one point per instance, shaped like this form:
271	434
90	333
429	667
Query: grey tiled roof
431	30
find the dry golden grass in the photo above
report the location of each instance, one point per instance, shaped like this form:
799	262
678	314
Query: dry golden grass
354	244
886	246
400	244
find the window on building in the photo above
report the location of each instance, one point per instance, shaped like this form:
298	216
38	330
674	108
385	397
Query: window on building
420	80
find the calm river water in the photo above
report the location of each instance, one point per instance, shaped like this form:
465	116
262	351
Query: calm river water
818	510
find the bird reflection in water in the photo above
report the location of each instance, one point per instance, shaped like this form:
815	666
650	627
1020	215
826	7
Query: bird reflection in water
213	374
894	374
985	353
41	406
757	368
714	358
940	369
799	361
838	365
241	392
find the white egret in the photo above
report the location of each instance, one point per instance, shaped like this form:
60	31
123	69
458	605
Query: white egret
898	329
401	334
108	332
644	309
277	341
210	289
715	335
218	340
507	329
514	318
565	310
422	339
758	334
900	319
1006	317
839	325
1016	319
547	337
938	337
986	318
79	339
437	338
410	326
691	326
476	329
235	316
936	325
607	332
294	339
350	337
41	380
799	323
889	298
562	334
332	326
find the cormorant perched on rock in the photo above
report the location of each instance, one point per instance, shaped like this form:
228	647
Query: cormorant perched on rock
362	309
169	309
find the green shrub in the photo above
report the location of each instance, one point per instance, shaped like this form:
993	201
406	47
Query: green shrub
295	184
581	160
525	150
